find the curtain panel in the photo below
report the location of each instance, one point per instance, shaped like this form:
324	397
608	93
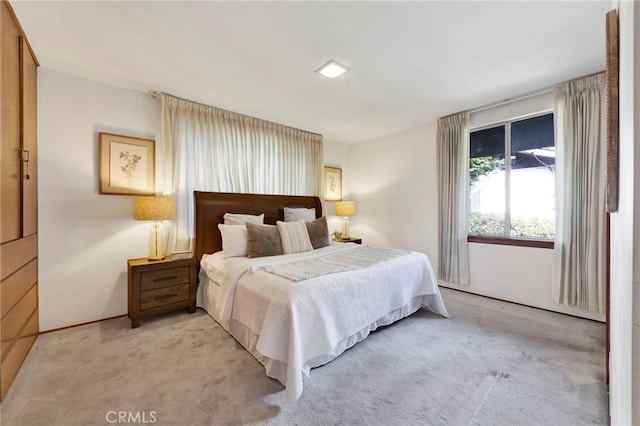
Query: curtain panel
453	181
579	277
210	149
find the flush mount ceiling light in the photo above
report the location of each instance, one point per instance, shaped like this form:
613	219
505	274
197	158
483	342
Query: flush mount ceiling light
332	69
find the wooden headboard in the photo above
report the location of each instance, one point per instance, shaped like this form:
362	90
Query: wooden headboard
210	208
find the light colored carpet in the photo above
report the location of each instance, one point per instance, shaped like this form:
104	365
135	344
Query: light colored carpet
491	363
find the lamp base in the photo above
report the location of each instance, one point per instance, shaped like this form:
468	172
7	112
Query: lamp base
156	245
345	229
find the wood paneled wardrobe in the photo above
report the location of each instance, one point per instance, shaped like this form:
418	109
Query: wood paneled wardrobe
18	203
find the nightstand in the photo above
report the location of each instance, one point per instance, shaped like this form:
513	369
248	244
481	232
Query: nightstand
350	240
158	287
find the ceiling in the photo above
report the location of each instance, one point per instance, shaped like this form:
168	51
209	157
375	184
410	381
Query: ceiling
410	62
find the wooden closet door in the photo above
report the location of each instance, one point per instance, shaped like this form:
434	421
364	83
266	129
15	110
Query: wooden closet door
18	204
10	121
29	142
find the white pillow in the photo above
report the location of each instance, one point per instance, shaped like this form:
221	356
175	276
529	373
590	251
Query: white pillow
294	237
241	219
235	240
293	214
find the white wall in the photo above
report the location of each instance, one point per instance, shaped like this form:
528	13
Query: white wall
394	183
635	336
625	233
85	238
512	110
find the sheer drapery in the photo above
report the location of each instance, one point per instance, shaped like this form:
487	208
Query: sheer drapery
453	176
209	149
580	244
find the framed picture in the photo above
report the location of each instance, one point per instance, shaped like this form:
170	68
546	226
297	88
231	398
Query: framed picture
127	165
612	78
332	183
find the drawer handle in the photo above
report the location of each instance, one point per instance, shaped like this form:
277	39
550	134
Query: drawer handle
165	296
172	277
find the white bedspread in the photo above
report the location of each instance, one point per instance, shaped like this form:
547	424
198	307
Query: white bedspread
307	323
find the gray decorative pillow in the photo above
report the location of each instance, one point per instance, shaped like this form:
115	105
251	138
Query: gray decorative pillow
318	232
264	240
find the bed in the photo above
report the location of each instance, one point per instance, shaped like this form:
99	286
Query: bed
300	310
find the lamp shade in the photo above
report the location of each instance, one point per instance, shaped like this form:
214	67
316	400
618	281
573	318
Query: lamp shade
154	208
345	208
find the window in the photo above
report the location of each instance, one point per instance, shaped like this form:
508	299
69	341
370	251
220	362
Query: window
514	198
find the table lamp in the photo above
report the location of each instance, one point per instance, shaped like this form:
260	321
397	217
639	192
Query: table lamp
155	208
345	209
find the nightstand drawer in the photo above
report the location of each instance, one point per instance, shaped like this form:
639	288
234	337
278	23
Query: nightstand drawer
164	278
164	296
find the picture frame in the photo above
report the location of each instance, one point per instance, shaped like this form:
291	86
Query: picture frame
332	183
612	98
127	165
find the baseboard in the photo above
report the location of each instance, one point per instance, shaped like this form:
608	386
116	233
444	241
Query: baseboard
520	304
81	324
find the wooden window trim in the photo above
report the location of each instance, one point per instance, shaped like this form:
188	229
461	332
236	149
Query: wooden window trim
505	241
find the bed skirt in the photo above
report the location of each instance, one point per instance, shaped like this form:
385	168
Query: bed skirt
277	369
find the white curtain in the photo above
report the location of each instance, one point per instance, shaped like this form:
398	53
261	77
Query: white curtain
580	259
453	180
209	149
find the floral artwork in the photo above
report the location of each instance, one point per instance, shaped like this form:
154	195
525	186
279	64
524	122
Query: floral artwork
332	181
127	165
126	168
130	163
332	184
